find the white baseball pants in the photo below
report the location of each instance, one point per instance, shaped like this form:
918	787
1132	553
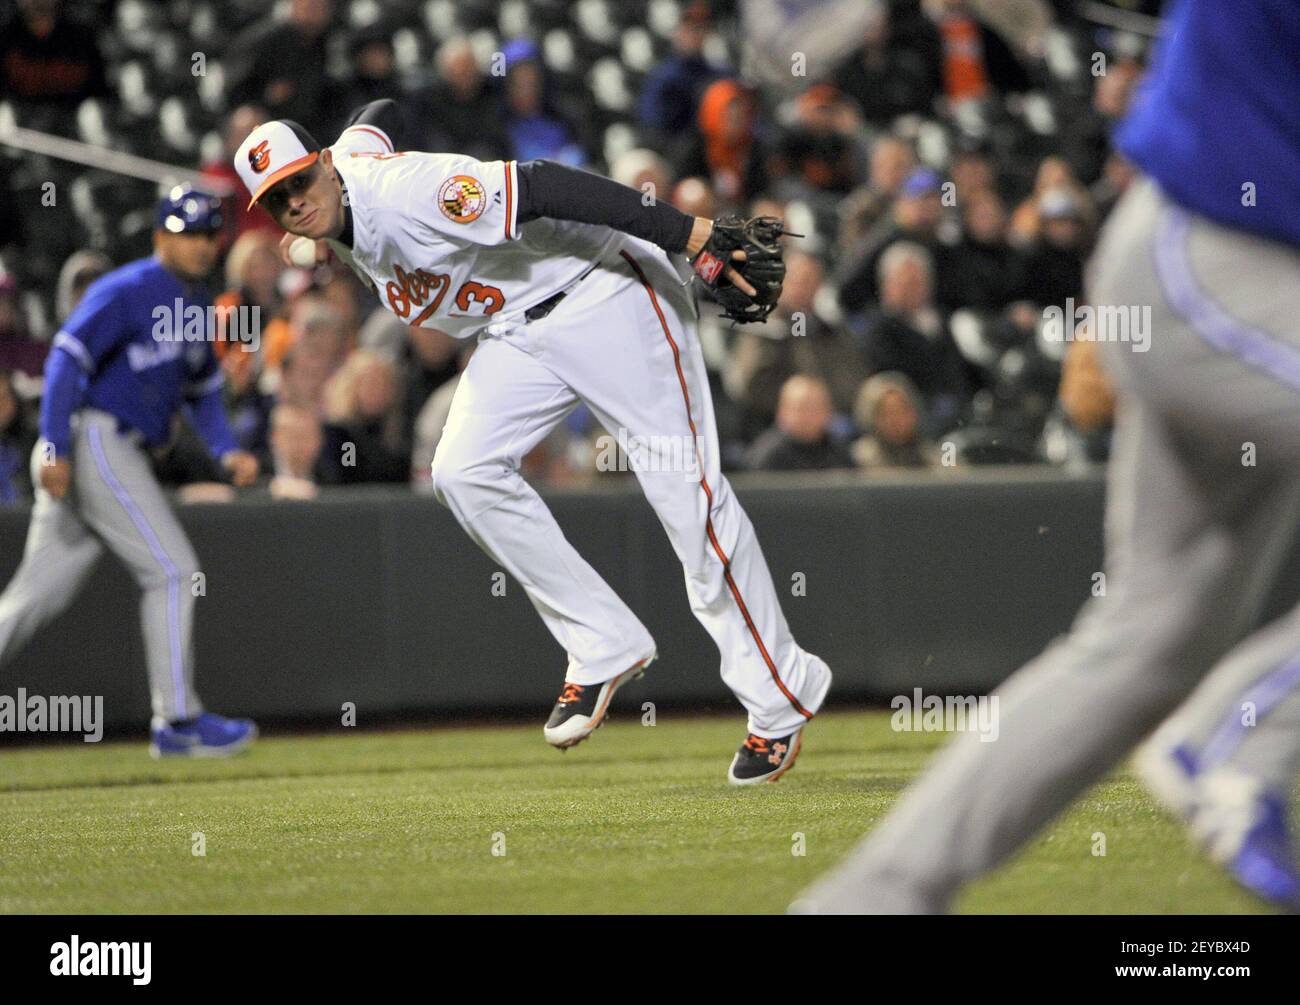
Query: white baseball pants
624	342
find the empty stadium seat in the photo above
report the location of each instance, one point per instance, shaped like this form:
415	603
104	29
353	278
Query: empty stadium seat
637	51
619	139
595	20
92	126
609	85
440	19
558	51
662	16
173	123
514	19
363	13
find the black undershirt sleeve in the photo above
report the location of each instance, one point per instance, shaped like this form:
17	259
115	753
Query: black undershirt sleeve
548	189
383	114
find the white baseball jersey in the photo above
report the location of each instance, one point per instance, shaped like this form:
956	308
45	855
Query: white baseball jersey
438	237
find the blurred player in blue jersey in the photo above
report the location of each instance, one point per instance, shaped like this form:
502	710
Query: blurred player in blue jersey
1203	499
119	369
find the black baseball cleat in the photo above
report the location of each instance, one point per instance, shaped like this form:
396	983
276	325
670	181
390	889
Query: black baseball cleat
581	708
760	759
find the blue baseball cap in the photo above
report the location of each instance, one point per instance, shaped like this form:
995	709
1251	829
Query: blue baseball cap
186	209
520	50
922	181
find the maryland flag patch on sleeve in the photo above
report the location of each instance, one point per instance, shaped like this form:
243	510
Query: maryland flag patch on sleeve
462	199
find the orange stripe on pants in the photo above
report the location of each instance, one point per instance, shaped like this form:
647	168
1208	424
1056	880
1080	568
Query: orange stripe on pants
704	484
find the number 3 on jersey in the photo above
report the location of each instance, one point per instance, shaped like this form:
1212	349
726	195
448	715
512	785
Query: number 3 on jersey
412	289
476	300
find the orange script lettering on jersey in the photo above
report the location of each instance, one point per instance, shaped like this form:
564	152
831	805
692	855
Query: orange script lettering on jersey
412	289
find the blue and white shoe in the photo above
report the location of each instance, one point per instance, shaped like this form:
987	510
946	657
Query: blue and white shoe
210	735
1240	824
1244	828
1265	861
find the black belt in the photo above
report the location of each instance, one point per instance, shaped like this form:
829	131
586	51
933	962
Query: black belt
539	311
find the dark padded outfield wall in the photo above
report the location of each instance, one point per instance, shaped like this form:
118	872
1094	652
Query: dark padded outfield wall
377	597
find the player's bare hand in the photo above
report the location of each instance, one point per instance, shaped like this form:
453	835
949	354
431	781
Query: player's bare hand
56	478
242	466
737	278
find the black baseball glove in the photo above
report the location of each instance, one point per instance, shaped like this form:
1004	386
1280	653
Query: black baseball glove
763	267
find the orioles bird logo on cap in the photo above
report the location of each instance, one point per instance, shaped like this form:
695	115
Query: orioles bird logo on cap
259	157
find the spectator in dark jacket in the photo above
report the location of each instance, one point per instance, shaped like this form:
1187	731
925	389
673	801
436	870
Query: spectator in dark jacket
18	350
1054	264
914	216
984	272
17	438
976	62
374	66
278	65
794	339
247	406
819	152
725	149
801	439
888	80
910	336
49	60
239	217
973	169
892	163
459	112
535	129
1086	144
365	414
671	92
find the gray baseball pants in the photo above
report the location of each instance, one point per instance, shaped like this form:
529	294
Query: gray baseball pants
1203	499
116	504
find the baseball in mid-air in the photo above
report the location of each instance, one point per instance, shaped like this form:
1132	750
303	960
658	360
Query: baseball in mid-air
303	252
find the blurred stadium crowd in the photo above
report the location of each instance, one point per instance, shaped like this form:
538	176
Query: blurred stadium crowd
946	160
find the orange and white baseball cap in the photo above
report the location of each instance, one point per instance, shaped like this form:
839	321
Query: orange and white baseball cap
271	153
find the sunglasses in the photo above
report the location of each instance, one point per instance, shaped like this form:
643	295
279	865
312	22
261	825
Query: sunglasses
277	200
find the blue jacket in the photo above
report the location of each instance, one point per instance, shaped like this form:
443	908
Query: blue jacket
1217	122
138	346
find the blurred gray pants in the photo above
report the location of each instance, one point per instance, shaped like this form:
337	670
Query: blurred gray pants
115	503
1203	499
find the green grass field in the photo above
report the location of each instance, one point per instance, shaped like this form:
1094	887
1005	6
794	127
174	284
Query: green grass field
637	819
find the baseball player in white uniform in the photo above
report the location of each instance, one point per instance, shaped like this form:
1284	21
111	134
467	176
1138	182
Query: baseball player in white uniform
577	292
